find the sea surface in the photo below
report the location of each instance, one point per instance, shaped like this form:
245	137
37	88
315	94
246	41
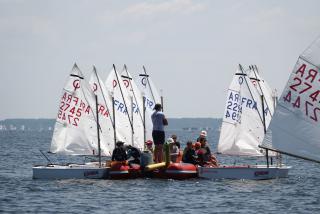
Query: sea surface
19	193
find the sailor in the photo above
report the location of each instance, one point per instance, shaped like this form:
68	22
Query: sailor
203	134
197	146
159	121
119	153
174	150
205	157
189	155
177	149
149	146
134	153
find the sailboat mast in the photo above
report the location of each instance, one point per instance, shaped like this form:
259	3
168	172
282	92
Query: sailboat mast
161	99
132	135
114	122
144	122
245	79
125	104
147	76
264	127
255	69
98	131
135	99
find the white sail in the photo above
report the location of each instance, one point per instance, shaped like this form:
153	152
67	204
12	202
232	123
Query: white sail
122	106
75	131
104	113
294	128
264	89
151	96
137	108
242	128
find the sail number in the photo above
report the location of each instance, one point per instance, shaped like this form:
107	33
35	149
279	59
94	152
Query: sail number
71	109
233	110
303	92
234	107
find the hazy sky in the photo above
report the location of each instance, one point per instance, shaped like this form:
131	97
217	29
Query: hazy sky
190	48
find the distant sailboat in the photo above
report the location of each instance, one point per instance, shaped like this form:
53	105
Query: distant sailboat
242	132
75	132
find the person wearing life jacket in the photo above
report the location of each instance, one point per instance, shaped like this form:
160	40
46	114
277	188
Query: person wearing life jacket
180	152
174	150
205	157
134	153
149	146
197	147
189	154
119	153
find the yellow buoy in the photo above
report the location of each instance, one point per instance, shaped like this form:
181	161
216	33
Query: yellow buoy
151	167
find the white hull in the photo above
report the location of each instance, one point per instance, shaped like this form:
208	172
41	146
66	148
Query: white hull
251	172
72	171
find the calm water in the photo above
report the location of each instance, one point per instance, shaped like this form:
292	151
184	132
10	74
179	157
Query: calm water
19	193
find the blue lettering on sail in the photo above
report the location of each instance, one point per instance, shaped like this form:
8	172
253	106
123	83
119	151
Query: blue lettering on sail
135	108
148	103
235	103
119	106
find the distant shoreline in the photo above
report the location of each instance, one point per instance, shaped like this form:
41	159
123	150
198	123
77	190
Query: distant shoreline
48	124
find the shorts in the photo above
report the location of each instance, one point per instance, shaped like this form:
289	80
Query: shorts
158	137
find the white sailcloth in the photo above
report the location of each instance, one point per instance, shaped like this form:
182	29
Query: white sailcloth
137	108
75	131
122	106
151	97
104	112
264	89
242	126
295	128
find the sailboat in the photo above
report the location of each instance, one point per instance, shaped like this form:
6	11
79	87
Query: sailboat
121	107
294	129
242	131
76	132
136	101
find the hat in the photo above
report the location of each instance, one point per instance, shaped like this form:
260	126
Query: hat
170	140
157	107
119	143
174	136
149	142
203	134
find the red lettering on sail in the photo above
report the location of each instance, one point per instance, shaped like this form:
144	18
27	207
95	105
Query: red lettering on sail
301	70
126	83
115	83
87	110
76	84
312	74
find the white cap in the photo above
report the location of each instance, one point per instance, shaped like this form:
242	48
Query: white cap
203	133
170	140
